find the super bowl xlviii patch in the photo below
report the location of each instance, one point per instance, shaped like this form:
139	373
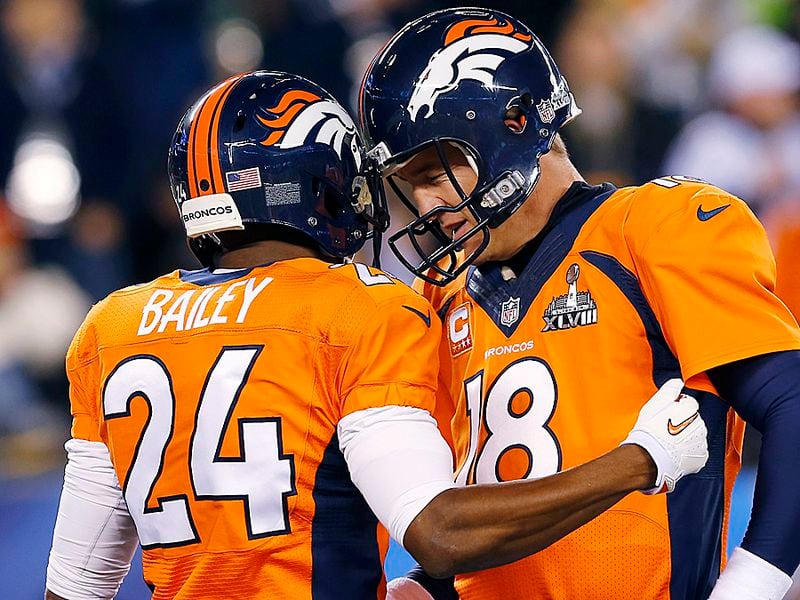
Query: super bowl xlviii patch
573	309
547	108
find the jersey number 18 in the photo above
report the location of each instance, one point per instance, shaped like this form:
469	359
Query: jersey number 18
515	413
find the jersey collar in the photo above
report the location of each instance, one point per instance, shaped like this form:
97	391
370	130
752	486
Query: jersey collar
535	263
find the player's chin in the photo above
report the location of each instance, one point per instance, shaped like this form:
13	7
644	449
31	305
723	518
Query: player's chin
492	253
472	245
467	250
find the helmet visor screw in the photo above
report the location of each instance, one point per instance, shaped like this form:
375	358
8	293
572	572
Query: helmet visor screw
470	115
312	221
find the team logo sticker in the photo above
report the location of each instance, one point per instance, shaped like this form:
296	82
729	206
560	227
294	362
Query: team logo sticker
576	308
459	329
473	50
302	116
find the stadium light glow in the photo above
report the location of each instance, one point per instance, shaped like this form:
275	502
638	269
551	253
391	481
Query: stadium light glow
44	183
238	46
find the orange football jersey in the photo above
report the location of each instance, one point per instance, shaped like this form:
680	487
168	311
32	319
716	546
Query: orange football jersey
783	227
548	367
218	396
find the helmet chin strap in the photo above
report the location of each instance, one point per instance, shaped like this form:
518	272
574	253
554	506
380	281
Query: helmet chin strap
370	202
505	187
207	249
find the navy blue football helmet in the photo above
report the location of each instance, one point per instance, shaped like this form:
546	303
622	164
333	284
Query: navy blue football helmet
457	76
271	148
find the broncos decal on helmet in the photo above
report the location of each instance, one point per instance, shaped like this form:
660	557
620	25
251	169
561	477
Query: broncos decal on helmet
473	50
301	117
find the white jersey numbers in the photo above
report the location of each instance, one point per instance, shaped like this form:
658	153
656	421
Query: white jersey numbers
171	523
262	471
672	181
514	412
261	476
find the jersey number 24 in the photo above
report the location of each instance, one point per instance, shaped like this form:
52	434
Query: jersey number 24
261	476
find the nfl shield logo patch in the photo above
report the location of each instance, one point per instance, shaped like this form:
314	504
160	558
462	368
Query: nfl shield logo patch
546	111
509	312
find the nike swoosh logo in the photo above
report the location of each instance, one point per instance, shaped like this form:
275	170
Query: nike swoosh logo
423	316
705	215
676	429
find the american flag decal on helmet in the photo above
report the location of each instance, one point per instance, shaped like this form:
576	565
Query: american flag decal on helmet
243	180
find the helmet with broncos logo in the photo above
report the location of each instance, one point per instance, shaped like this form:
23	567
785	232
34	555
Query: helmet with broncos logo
272	149
477	79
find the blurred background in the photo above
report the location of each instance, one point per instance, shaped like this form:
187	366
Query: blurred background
91	91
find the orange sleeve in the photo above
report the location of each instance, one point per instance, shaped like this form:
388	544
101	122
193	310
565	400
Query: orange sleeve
786	241
82	397
394	359
419	286
711	283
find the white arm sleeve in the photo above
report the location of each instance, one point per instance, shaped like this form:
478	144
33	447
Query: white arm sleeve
750	577
94	538
398	460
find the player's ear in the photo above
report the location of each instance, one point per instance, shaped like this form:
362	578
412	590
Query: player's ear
515	119
516	115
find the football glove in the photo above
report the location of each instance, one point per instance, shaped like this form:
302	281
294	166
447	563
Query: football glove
673	433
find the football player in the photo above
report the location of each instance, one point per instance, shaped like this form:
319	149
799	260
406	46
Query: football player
240	421
554	292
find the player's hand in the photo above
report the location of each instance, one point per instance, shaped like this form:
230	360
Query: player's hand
405	588
673	433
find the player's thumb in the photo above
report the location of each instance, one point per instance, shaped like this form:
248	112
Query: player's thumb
687	405
669	392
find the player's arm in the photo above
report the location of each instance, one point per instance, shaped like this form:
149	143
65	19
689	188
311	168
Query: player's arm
704	249
765	391
403	467
94	537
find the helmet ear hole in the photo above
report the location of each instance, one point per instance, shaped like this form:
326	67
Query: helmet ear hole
515	119
331	201
241	119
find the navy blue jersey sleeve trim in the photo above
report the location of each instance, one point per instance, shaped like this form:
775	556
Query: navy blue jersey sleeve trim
344	543
765	391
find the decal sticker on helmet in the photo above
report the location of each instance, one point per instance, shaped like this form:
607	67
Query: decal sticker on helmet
473	50
301	117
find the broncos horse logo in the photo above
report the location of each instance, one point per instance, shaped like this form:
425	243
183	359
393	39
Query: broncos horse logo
473	50
301	116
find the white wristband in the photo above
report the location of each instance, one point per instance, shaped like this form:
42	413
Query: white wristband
750	577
